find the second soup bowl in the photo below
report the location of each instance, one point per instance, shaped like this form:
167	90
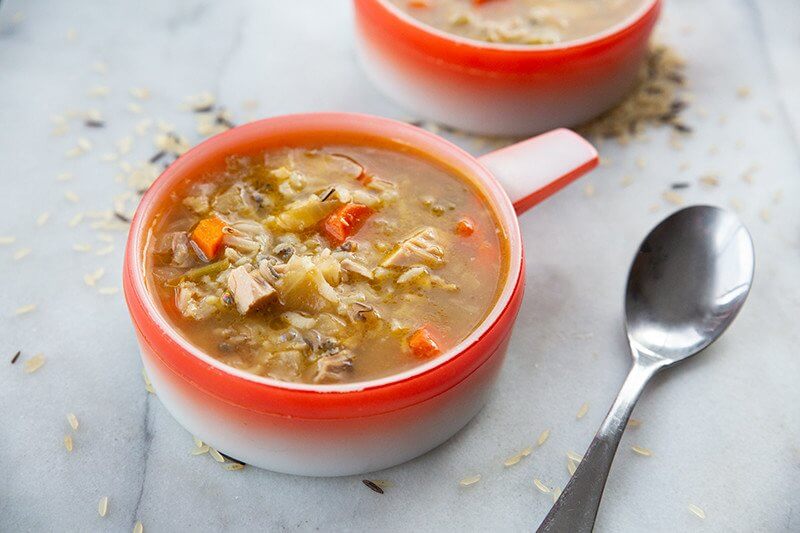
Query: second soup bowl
349	428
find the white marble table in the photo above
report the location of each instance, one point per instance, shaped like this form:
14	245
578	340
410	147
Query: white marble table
724	428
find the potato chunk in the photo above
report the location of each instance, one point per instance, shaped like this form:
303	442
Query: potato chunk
420	248
250	291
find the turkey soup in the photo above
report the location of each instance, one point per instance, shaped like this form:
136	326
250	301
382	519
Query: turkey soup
326	264
521	21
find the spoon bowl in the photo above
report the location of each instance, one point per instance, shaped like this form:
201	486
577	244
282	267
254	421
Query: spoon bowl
687	282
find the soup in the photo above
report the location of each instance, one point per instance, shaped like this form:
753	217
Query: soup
326	264
520	21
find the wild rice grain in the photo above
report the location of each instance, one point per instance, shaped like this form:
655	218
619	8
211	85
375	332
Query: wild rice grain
372	486
102	506
641	451
34	363
695	510
543	437
470	480
16	356
582	411
68	442
73	421
541	486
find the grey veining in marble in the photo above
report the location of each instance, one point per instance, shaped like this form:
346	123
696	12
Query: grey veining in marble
724	428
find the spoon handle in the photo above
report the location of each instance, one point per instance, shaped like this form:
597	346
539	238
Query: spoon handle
576	508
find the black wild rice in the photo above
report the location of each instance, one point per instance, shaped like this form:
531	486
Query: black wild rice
371	484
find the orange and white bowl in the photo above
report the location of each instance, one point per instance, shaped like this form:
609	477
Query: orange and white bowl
327	430
499	89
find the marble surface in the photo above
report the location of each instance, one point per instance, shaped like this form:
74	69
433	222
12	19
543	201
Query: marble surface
724	428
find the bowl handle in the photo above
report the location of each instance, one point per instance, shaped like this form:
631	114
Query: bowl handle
532	170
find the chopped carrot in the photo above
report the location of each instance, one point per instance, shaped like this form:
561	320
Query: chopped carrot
479	2
345	222
465	227
422	343
207	236
418	4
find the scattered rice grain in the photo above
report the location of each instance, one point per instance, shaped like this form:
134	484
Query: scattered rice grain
709	180
200	450
25	309
64	176
516	458
216	455
102	506
571	467
7	239
641	451
233	466
695	510
42	219
574	456
582	411
19	254
765	215
72	197
73	420
68	442
588	190
138	527
105	250
135	108
543	437
634	423
75	220
541	486
673	197
470	480
556	493
142	93
34	363
743	91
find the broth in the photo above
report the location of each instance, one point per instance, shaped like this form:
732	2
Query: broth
520	21
327	265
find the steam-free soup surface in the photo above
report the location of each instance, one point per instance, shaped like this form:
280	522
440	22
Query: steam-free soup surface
326	265
521	21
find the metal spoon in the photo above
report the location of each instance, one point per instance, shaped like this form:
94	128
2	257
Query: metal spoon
687	282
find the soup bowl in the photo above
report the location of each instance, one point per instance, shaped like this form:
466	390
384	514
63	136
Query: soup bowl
328	430
494	88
